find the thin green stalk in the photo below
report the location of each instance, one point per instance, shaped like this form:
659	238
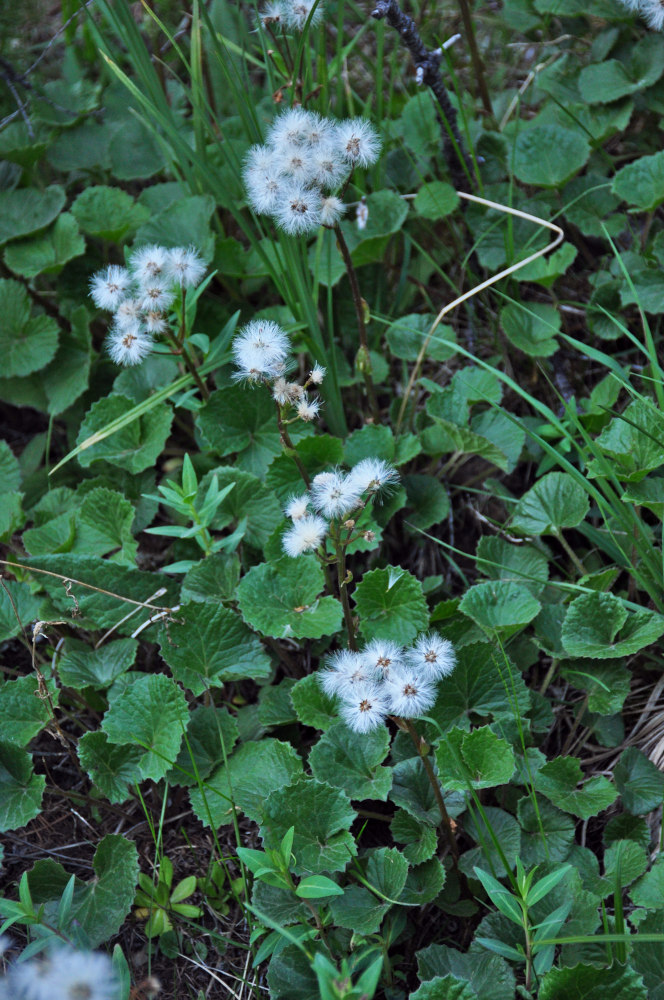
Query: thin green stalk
422	749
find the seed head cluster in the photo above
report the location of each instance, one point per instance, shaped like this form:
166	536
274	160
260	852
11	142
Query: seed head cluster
334	496
387	679
305	160
290	14
140	295
651	10
62	974
260	352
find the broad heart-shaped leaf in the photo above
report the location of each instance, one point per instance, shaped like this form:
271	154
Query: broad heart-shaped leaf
391	605
407	334
67	375
500	607
641	183
649	890
633	442
420	841
23	603
429	499
489	975
479	758
186	222
446	436
312	706
208	645
609	80
358	910
648	959
20	789
555	501
111	768
82	666
214	578
548	155
317	453
482	684
23	713
104	523
290	975
435	200
249	498
100	905
607	683
135	446
281	599
242	420
108	213
151	713
507	832
587	982
531	327
351	761
639	781
90	607
600	625
211	735
253	771
27	210
10	470
523	564
27	343
444	988
387	870
546	834
558	780
48	252
322	817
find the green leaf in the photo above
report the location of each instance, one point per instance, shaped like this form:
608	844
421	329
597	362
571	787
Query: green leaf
108	213
23	602
558	780
420	840
312	706
290	975
607	683
104	523
479	758
639	781
318	887
236	419
547	834
429	499
27	343
10	470
641	183
322	817
208	645
490	976
499	606
444	988
151	713
210	737
407	334
411	790
317	454
556	501
386	871
420	127
391	605
600	625
587	982
214	578
186	222
424	883
253	771
27	210
548	155
435	200
136	446
102	906
520	564
351	761
20	789
482	684
111	768
135	153
358	910
532	327
501	897
67	375
23	713
633	442
486	855
281	599
81	666
249	498
49	252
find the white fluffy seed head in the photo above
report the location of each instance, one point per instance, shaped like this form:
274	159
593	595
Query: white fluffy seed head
328	168
345	670
289	129
149	263
128	346
128	314
154	322
358	142
373	475
110	287
298	11
362	214
653	12
185	267
383	658
317	374
307	409
272	13
331	210
298	209
297	507
333	496
432	657
306	535
409	695
365	708
156	297
260	350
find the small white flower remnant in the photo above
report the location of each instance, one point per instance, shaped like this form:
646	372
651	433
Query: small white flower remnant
362	214
140	295
333	495
64	974
305	160
297	507
385	679
260	351
306	535
317	374
291	13
307	409
372	475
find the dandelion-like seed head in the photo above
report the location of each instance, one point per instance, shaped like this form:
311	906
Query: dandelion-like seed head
154	322
289	129
307	409
128	314
64	974
260	350
358	142
156	297
110	287
272	13
127	346
150	263
432	657
298	11
327	167
334	495
298	210
185	267
306	535
331	210
653	12
280	391
297	507
409	695
296	164
373	475
383	657
365	708
345	670
317	374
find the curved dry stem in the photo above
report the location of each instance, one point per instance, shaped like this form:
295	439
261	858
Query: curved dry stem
478	288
